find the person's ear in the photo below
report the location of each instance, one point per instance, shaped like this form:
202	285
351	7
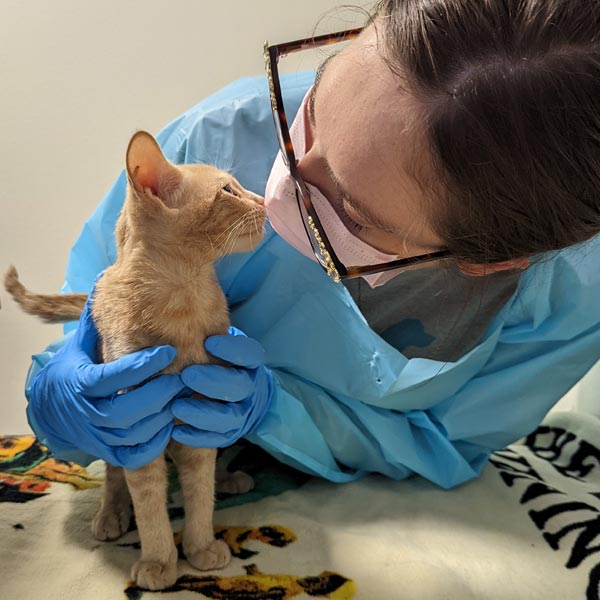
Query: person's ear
515	264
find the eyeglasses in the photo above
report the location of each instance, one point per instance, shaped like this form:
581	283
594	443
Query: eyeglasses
319	241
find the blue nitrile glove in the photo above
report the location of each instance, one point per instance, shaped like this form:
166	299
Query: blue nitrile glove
245	391
75	402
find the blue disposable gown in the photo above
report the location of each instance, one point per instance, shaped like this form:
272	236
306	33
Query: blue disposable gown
346	402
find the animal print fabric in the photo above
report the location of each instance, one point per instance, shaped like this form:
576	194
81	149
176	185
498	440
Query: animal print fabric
528	528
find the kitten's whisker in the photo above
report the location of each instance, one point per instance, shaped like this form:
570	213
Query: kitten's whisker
234	224
238	225
234	235
230	227
212	246
226	234
259	224
256	221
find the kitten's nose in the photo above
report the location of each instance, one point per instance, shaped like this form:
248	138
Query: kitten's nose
258	199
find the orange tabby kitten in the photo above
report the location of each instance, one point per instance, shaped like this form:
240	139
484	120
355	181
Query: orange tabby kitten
176	220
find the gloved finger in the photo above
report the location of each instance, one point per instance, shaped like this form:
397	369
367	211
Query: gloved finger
139	433
134	457
234	331
86	335
125	410
92	445
130	370
211	416
190	436
236	349
185	392
220	383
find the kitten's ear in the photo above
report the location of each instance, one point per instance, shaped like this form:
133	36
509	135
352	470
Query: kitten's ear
149	172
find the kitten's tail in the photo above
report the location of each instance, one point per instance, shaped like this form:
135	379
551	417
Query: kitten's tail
52	308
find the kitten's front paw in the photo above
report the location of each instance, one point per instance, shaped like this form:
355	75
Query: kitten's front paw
216	556
235	483
110	523
152	575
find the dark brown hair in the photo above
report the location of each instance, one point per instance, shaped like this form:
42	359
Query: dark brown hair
510	91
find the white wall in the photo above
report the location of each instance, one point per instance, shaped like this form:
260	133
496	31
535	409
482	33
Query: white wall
76	80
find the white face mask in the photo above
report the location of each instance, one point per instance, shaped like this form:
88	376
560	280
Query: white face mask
284	215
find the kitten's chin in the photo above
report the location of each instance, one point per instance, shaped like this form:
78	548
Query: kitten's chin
247	242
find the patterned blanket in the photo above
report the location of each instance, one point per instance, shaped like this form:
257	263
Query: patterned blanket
528	528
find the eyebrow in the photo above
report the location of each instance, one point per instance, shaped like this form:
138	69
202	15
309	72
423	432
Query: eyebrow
311	99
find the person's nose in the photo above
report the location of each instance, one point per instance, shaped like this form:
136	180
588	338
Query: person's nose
308	167
311	168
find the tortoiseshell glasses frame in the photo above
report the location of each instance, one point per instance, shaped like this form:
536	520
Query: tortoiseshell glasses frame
319	241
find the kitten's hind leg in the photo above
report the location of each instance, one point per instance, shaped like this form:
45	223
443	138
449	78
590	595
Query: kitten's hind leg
237	482
113	518
228	482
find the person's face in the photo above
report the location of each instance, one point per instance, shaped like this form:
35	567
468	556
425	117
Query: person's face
363	140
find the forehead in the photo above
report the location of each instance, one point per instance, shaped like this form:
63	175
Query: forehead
203	171
368	106
204	179
370	129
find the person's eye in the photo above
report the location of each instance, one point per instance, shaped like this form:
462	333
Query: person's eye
354	216
351	219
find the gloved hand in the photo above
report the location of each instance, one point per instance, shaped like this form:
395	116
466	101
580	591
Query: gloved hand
245	391
74	401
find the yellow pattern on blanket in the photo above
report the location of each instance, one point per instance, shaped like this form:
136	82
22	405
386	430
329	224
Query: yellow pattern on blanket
27	470
259	586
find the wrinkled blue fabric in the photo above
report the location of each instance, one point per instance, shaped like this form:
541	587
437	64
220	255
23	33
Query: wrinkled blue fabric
347	403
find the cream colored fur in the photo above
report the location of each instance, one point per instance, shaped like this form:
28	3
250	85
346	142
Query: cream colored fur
162	289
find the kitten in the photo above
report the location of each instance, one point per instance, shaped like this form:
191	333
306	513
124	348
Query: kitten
162	289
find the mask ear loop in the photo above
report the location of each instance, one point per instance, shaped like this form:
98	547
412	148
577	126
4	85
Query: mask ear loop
297	131
282	208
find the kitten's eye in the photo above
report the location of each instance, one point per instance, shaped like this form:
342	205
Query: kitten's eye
227	188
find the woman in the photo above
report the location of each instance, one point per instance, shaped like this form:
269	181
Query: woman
463	136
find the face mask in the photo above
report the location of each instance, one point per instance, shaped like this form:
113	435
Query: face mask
284	215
